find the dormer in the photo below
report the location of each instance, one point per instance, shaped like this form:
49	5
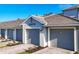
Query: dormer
72	12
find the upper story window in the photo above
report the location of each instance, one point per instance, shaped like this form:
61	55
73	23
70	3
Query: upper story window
71	12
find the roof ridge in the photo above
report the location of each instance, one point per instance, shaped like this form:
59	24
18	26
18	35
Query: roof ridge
11	21
70	18
72	7
49	15
43	19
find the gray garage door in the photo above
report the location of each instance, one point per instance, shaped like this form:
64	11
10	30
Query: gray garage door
62	39
3	33
33	35
19	34
10	34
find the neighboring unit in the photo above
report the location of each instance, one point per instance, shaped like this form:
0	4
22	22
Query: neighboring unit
61	30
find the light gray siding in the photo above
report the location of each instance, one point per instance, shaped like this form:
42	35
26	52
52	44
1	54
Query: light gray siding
10	34
78	14
19	34
43	37
33	28
70	13
62	38
33	23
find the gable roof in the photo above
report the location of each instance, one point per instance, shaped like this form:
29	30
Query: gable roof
41	19
73	7
60	20
11	24
50	20
37	18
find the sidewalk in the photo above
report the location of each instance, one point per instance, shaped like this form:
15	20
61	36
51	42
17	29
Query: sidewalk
53	50
15	49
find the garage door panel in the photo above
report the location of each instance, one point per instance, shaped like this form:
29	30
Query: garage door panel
3	33
19	34
33	36
53	39
63	38
10	34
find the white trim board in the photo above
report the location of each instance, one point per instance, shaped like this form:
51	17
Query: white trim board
34	19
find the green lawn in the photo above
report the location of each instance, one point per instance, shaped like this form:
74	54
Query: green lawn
24	53
77	52
4	44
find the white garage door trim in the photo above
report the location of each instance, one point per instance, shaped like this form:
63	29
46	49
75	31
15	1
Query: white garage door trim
75	36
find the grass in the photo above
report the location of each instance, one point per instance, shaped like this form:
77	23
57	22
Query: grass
24	53
5	44
77	52
31	50
2	46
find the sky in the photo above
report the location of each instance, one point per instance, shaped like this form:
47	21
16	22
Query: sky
10	12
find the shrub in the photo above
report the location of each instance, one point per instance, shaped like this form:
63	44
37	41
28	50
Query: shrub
77	52
13	43
34	49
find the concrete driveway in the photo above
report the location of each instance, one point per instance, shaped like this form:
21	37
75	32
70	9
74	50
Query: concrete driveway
53	50
15	49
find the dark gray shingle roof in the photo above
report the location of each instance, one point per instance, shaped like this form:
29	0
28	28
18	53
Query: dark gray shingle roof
10	24
60	20
52	20
72	7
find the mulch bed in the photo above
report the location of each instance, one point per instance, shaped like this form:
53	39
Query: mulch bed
77	52
34	49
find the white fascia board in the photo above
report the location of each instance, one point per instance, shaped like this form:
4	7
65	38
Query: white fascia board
34	19
43	22
25	20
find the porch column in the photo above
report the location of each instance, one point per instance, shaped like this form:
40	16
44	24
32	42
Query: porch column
75	39
5	33
48	37
24	35
14	34
43	38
